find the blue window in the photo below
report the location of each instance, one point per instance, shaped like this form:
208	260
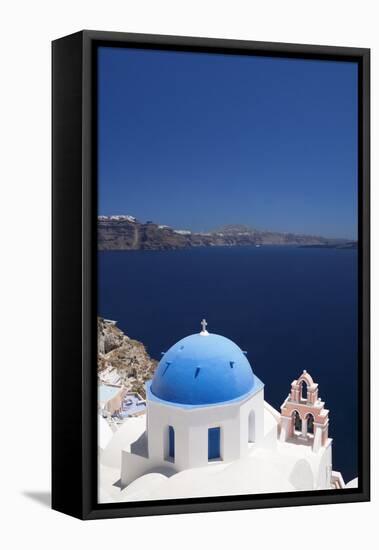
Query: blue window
171	442
213	443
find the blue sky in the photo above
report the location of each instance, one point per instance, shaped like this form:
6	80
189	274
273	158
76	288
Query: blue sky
197	141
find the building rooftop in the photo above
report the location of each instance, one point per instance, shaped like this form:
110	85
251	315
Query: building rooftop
105	393
132	404
203	369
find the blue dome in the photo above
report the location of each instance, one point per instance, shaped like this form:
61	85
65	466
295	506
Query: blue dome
201	370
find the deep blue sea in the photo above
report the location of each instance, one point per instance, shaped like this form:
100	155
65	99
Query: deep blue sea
290	308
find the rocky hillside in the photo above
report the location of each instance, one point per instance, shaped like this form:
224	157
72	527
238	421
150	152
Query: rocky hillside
127	233
129	358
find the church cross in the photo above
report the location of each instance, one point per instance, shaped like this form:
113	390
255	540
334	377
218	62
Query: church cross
204	325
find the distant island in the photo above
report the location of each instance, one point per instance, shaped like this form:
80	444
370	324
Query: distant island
342	245
125	232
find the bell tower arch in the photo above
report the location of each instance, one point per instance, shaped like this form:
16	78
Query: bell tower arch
303	415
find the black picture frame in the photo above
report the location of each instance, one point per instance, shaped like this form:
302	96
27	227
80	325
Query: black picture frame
74	205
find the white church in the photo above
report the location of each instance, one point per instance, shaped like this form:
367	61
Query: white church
208	431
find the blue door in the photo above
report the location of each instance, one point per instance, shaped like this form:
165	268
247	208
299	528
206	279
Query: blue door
171	442
213	443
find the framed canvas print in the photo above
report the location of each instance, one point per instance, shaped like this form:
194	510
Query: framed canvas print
210	274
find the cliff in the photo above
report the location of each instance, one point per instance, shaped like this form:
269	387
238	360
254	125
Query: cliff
123	355
127	233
